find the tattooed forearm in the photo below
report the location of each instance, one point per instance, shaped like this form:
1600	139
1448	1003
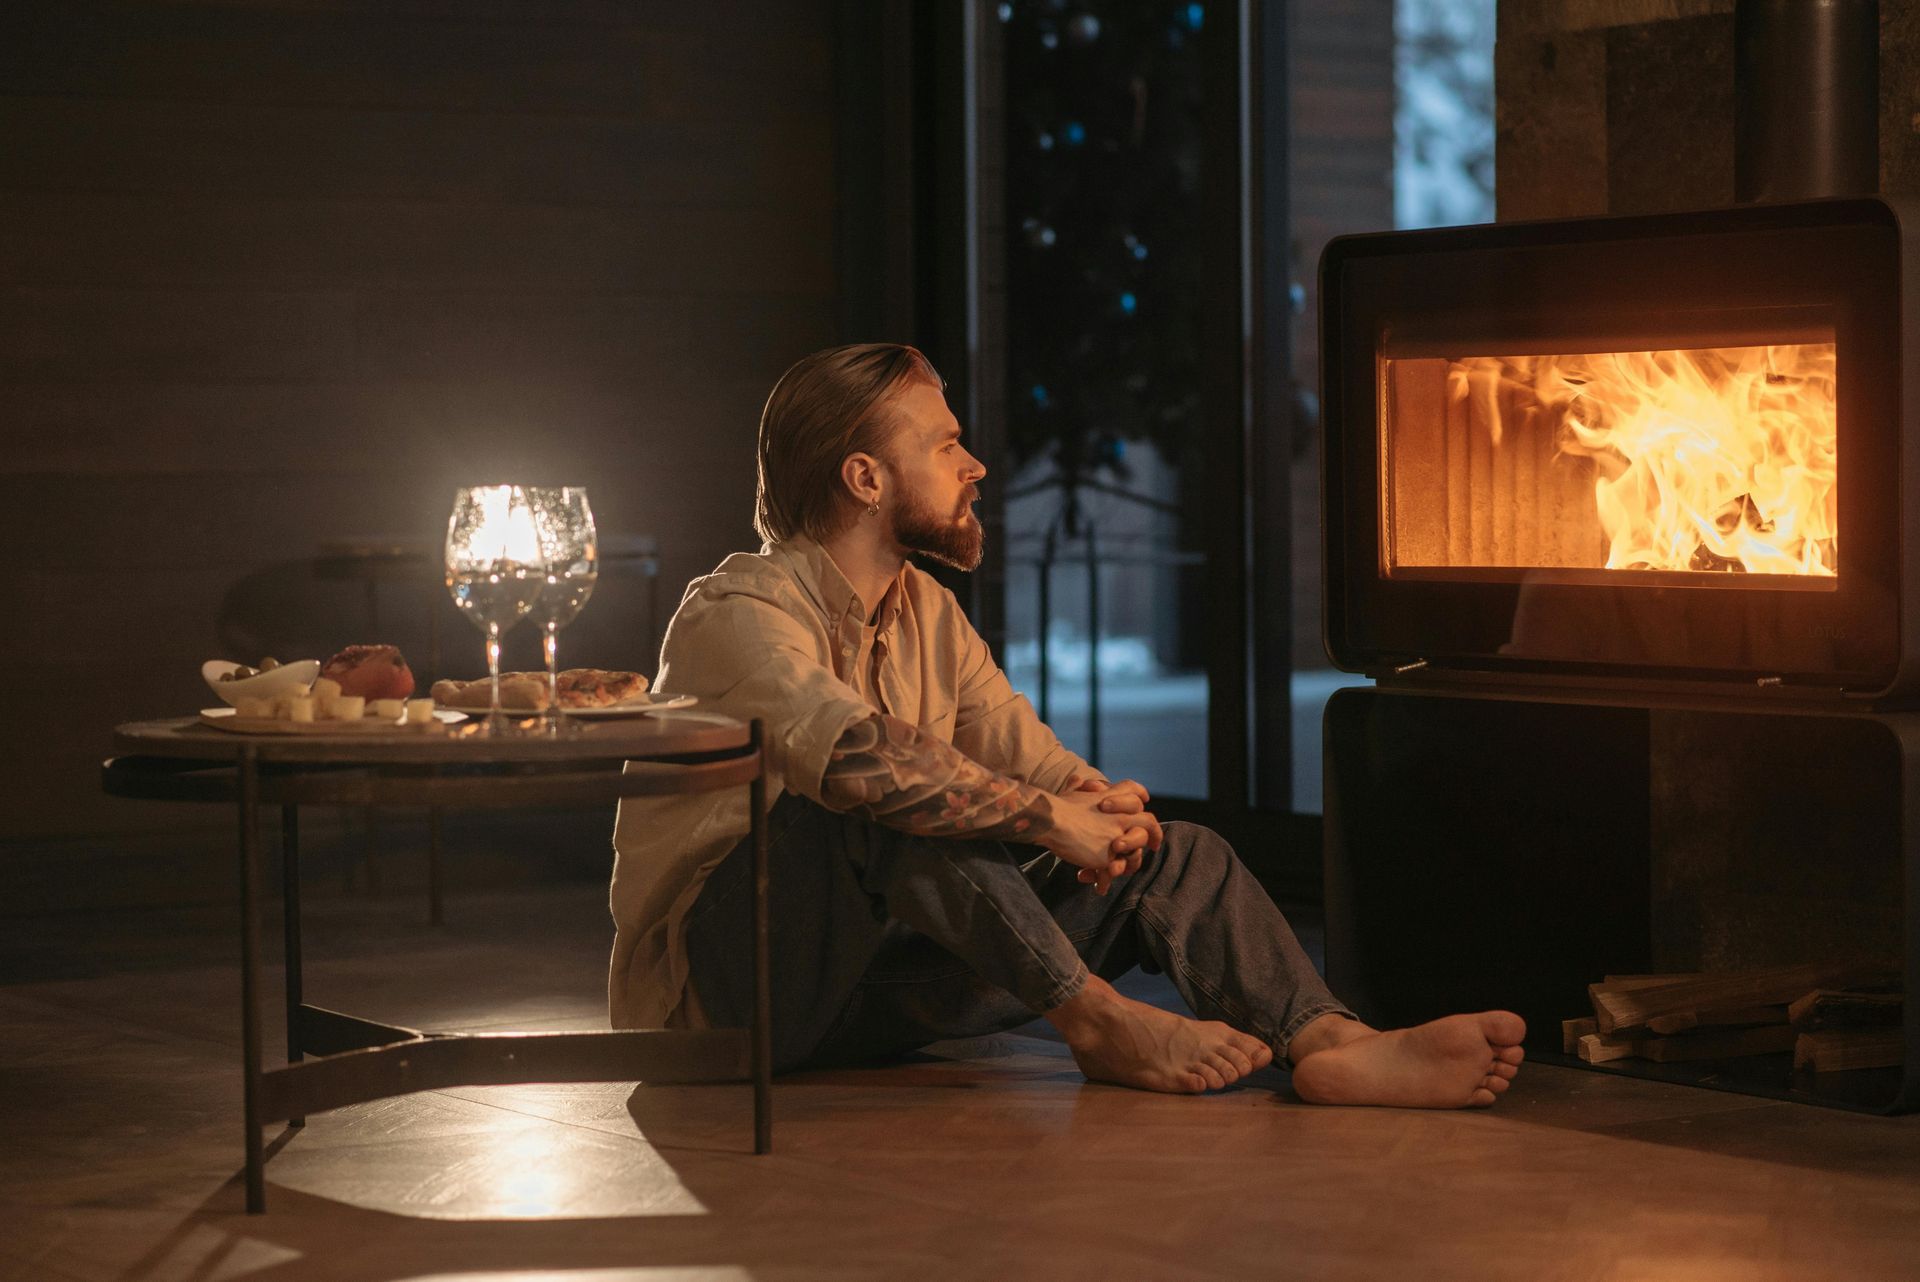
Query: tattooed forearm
898	775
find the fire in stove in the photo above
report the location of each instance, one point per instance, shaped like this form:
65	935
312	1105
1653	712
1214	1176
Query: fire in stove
1708	463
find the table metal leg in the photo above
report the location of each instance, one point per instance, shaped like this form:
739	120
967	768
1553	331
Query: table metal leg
290	930
249	790
762	975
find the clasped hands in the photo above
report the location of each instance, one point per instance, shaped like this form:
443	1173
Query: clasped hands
1105	829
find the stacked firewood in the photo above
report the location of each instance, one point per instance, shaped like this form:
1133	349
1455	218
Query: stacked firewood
1834	1018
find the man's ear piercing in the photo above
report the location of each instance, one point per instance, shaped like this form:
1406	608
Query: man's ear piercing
875	509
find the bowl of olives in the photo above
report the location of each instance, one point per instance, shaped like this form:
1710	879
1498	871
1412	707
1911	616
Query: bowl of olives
268	679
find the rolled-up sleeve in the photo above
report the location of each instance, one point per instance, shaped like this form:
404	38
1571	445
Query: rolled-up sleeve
745	654
996	726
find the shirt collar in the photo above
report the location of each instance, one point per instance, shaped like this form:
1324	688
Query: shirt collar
830	589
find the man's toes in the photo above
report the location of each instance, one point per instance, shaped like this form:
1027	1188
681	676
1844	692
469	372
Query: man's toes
1231	1065
1481	1098
1258	1053
1503	1027
1210	1076
1505	1071
1495	1084
1509	1054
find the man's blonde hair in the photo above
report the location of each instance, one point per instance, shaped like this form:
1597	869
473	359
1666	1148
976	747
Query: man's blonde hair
827	406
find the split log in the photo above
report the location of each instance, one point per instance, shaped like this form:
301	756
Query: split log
1826	1008
1595	1049
1572	1030
1733	1017
1618	1007
1651	981
1847	1049
1717	1043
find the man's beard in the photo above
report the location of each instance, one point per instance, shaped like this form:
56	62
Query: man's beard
955	540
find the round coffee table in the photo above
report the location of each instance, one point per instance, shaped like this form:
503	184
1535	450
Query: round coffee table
334	1059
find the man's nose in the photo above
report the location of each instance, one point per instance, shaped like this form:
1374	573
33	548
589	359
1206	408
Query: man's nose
976	467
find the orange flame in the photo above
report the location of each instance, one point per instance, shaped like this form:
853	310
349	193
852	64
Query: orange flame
1714	459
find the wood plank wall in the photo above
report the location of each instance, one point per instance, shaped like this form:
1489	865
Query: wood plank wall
279	271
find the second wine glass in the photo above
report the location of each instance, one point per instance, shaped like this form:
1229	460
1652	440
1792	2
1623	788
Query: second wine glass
570	546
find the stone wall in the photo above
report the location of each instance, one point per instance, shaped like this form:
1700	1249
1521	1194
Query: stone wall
1626	106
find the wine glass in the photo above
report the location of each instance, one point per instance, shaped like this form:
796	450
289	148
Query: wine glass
571	549
495	570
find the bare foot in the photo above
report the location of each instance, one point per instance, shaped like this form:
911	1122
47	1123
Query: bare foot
1462	1061
1116	1039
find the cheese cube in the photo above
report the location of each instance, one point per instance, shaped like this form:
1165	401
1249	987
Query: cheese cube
253	708
349	707
300	708
419	712
326	687
390	709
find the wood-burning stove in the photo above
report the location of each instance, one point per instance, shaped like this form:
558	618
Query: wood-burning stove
1621	515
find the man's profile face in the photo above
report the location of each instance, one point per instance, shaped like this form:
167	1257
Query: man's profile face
931	508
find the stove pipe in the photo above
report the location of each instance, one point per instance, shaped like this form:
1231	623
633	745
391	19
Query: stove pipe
1806	88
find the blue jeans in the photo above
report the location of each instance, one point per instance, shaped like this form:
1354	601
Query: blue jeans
883	942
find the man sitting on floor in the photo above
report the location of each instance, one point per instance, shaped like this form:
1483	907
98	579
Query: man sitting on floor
940	863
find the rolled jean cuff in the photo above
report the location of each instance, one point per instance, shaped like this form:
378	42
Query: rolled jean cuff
1300	1021
1060	992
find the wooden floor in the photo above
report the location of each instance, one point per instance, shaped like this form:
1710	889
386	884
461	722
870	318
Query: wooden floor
119	1140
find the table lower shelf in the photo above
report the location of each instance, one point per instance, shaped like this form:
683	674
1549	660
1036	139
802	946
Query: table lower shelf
354	1060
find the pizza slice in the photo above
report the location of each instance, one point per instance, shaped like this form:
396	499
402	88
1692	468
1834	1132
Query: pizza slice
598	687
527	691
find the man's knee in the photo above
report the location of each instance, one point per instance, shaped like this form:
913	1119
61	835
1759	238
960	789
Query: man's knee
1195	851
1196	841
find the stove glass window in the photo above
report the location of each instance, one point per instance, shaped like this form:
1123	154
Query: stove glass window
1710	466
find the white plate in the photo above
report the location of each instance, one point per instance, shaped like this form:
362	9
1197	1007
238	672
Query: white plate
631	708
639	707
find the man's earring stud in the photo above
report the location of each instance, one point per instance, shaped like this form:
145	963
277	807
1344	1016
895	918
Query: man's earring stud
875	509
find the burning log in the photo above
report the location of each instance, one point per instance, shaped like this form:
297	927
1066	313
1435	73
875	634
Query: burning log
1590	460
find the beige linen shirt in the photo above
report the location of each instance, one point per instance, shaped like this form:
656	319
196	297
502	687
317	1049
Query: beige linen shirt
781	635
